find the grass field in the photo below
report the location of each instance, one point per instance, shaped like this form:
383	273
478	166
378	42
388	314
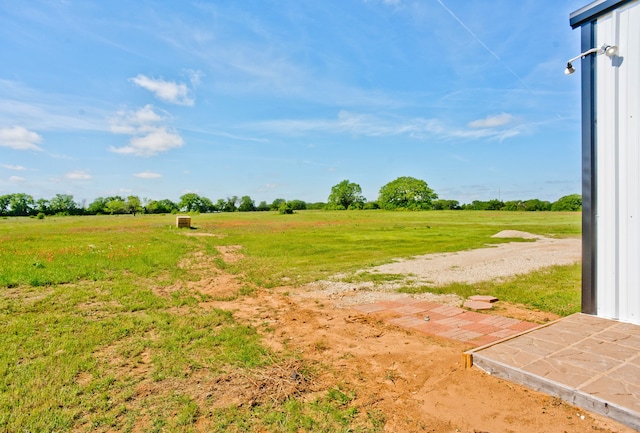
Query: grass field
84	322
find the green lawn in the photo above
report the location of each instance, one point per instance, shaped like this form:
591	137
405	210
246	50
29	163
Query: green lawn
84	325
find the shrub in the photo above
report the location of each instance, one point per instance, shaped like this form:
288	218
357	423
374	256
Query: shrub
285	209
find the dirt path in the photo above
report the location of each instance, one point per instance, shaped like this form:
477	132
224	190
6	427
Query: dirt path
417	382
495	262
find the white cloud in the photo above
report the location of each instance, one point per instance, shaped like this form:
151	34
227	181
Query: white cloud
417	128
159	140
149	135
492	121
13	167
16	179
20	138
147	175
78	175
169	91
135	122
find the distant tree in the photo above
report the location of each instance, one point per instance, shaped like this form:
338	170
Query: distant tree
207	205
406	193
370	205
495	204
4	204
445	205
42	206
275	205
285	208
247	204
97	206
192	202
536	205
344	195
63	204
231	204
263	206
316	205
298	205
568	203
101	205
133	205
160	206
484	205
189	202
513	205
115	206
21	204
168	206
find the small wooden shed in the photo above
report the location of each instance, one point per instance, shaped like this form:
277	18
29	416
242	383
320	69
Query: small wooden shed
610	74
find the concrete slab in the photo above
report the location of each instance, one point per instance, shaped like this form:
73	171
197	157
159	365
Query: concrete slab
591	362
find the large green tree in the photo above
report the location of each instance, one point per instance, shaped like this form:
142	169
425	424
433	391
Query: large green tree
4	204
42	205
133	204
115	205
231	204
568	203
161	206
21	204
246	204
192	202
346	195
406	193
63	204
275	205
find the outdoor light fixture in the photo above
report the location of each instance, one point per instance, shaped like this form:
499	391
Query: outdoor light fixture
608	50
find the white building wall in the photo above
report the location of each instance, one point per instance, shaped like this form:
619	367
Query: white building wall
618	166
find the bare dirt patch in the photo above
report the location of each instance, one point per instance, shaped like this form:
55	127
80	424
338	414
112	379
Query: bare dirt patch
230	253
203	234
417	382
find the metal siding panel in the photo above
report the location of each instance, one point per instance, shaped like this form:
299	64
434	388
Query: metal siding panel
618	163
629	140
607	161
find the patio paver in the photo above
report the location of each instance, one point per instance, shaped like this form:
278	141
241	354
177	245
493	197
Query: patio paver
588	361
446	321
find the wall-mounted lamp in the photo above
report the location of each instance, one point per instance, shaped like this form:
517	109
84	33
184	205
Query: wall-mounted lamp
608	50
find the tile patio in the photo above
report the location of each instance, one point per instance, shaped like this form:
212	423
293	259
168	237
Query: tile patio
439	320
590	362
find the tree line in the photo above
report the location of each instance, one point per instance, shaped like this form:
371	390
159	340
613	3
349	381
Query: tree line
414	194
402	193
21	204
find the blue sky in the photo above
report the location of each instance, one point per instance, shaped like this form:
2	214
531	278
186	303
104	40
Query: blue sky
286	98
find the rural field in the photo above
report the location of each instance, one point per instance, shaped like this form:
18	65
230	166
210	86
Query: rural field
122	323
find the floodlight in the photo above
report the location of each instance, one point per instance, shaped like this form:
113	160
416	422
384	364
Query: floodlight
608	50
570	69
